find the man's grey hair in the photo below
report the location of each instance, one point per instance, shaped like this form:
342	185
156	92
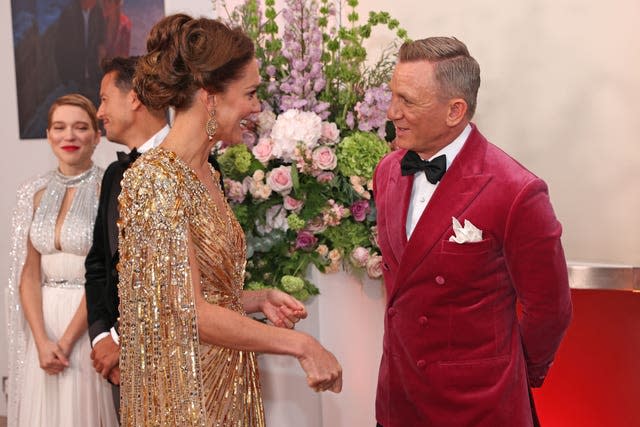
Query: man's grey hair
456	71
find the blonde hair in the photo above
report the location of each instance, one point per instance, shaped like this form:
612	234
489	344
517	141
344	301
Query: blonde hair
75	100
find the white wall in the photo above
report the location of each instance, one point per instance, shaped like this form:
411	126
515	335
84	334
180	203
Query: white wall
559	93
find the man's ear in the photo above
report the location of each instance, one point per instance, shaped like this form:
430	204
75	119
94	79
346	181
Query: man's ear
134	101
457	111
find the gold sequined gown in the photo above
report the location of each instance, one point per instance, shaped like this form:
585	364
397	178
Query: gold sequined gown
168	377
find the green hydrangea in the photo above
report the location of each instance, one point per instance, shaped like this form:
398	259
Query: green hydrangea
235	161
292	284
359	153
348	235
301	295
295	222
255	286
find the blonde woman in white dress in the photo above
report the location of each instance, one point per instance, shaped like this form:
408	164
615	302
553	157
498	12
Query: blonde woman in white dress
51	379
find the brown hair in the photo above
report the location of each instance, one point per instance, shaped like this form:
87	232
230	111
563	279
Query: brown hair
456	71
75	100
186	54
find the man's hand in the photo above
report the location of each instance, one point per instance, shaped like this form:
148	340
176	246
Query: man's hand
114	376
105	356
282	309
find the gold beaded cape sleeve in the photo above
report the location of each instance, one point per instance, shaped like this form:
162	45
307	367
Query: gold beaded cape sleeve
169	378
159	356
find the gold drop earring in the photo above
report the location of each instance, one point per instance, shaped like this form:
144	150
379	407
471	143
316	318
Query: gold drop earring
212	125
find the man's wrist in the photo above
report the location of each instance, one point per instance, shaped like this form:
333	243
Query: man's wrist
99	338
114	335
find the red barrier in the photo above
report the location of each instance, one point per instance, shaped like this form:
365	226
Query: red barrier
595	381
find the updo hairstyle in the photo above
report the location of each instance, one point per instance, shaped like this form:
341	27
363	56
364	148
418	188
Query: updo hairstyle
185	54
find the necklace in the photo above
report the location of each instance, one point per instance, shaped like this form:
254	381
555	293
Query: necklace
75	180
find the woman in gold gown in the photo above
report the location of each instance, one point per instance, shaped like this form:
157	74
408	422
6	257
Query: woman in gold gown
187	346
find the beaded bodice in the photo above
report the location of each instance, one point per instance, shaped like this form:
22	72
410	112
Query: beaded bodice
76	233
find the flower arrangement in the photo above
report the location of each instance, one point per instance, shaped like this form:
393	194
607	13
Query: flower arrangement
301	184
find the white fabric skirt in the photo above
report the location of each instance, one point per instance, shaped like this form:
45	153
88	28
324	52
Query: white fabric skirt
78	396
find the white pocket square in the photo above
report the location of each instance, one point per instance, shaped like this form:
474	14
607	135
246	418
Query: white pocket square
467	234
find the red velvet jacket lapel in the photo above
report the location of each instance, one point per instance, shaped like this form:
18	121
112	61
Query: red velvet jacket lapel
457	190
397	235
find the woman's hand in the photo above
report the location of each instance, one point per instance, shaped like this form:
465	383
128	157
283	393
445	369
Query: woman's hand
321	366
66	346
52	358
282	309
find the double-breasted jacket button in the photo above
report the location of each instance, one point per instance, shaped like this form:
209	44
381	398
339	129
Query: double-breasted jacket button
423	320
421	364
440	280
392	312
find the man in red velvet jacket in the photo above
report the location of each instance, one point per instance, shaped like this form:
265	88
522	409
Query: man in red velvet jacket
455	351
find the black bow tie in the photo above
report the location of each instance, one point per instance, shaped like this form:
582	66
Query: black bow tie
434	169
127	158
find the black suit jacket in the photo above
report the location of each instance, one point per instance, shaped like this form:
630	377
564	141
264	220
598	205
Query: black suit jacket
101	277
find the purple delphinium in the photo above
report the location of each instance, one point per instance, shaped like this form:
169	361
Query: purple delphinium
372	110
302	47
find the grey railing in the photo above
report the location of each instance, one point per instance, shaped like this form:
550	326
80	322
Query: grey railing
604	276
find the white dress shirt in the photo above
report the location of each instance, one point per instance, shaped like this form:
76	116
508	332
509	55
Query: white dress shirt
423	190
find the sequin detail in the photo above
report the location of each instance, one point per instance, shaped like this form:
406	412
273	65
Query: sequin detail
169	377
76	236
64	284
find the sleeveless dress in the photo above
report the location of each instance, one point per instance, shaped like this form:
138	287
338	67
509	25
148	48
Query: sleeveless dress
169	377
78	396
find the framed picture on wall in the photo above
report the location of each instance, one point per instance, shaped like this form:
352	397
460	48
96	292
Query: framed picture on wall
58	46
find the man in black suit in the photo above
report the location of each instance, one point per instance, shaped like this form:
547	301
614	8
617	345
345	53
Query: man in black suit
126	121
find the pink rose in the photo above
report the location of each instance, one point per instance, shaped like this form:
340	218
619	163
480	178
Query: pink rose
306	241
324	158
360	209
330	132
316	225
292	204
279	179
262	150
359	256
324	177
374	266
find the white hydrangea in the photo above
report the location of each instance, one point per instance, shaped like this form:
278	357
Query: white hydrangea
295	127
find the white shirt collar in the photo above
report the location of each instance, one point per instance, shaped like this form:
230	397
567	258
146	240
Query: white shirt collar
155	140
453	148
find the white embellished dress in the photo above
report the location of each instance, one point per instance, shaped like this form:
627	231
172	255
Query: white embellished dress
78	396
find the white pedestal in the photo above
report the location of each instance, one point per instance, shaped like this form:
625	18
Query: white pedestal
347	318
